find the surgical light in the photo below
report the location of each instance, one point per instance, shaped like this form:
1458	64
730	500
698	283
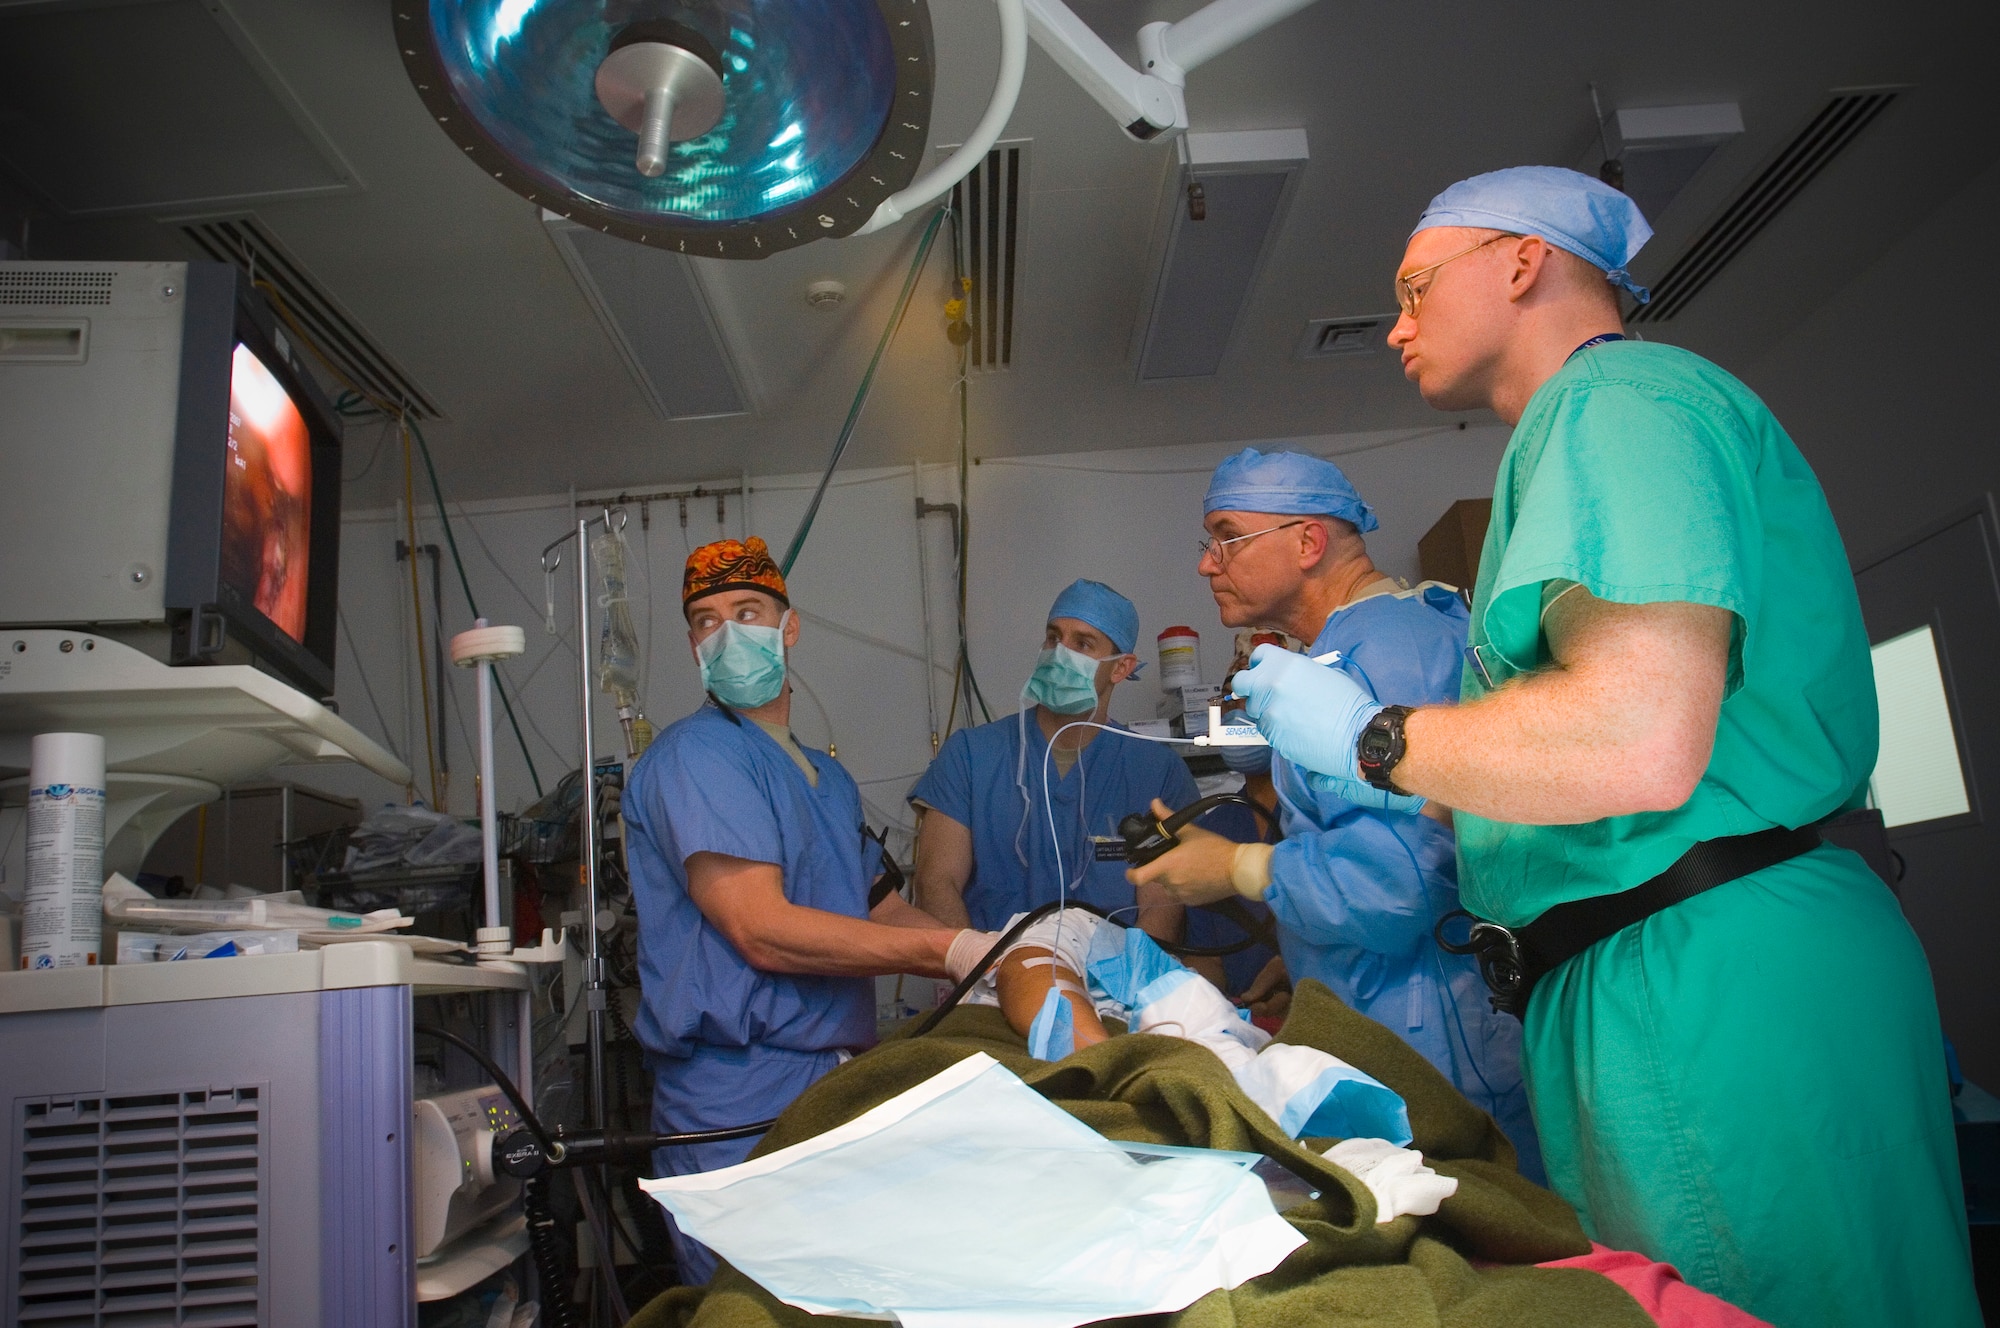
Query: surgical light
725	128
737	128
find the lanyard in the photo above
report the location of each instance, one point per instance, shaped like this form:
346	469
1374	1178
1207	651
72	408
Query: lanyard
1597	340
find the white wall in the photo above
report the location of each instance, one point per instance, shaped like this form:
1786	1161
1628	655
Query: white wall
1129	518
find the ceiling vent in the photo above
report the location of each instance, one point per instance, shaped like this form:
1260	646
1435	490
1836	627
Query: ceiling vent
1229	202
651	304
352	353
992	204
1838	124
1340	338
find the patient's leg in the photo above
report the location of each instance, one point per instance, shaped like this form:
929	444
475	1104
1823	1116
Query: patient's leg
1023	981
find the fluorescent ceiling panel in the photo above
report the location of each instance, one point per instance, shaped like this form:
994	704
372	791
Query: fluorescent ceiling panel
653	309
1917	774
149	108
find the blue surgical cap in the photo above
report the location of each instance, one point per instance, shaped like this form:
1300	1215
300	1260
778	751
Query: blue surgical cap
1103	608
1286	484
1570	210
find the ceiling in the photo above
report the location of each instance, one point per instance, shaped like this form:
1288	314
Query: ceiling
456	279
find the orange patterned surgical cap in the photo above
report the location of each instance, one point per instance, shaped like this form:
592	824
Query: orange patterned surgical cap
732	565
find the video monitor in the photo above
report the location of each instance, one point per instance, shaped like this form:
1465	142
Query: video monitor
267	496
170	400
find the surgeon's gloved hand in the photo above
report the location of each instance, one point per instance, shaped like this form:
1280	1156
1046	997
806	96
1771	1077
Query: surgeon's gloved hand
1194	871
1364	794
1312	714
967	949
1245	760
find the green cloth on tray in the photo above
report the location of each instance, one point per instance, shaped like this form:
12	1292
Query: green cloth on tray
1413	1272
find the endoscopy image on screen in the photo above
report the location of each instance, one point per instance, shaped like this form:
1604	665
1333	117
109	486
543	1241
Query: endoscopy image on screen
267	495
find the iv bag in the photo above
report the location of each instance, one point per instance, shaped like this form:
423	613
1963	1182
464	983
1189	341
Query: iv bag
617	640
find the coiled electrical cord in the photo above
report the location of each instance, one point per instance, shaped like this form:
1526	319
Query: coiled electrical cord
545	1247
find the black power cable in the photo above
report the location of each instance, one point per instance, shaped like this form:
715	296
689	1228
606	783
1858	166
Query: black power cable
500	1078
590	1146
986	961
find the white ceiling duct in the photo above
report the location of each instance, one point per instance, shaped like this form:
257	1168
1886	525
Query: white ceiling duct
1661	147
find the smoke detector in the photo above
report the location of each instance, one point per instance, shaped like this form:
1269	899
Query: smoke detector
825	295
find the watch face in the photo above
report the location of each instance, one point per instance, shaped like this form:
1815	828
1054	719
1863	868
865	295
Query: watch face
1374	746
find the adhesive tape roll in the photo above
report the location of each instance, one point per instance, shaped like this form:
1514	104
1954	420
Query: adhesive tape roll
468	648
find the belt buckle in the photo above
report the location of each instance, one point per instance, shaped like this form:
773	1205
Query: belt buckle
1502	966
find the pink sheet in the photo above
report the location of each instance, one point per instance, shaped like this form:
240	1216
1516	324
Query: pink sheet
1660	1291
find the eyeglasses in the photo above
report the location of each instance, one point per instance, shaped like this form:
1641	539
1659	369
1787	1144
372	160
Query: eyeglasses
1218	548
1407	294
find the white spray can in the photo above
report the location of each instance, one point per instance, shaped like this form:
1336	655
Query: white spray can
62	918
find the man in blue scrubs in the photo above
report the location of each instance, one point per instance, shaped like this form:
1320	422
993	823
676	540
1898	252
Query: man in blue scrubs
751	876
986	849
1355	887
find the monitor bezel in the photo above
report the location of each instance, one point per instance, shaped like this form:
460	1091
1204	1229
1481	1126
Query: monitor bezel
210	620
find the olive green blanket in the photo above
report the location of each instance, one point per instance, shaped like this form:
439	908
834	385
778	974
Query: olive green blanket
1412	1272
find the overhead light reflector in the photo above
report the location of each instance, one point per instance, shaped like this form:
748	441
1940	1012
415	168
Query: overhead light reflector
823	110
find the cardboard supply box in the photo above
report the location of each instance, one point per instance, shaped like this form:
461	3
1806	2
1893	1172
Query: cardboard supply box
1186	708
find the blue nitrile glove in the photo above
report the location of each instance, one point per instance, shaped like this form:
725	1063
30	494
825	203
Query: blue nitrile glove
1245	760
1311	714
1363	794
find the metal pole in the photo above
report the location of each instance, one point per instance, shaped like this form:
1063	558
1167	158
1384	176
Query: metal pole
594	990
489	828
438	653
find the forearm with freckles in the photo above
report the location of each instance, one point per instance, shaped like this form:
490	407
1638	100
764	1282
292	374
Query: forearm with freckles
745	901
896	911
1622	722
944	865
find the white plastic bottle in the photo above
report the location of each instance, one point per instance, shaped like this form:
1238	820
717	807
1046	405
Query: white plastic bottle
1180	658
62	917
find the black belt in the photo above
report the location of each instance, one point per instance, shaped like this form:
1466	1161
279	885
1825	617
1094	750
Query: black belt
1513	960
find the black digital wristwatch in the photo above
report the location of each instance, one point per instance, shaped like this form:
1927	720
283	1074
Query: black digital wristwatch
1380	747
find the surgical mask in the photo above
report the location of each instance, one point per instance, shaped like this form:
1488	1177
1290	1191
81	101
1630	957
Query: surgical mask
743	664
1064	680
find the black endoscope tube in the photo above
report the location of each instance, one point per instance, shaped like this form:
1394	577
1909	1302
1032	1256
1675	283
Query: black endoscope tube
987	961
553	1149
500	1078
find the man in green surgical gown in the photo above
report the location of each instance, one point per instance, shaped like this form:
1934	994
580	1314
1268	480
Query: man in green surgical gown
1666	651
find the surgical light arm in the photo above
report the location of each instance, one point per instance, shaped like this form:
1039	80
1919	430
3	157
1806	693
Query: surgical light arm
1147	104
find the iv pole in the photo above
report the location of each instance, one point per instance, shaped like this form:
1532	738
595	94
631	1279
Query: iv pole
594	988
